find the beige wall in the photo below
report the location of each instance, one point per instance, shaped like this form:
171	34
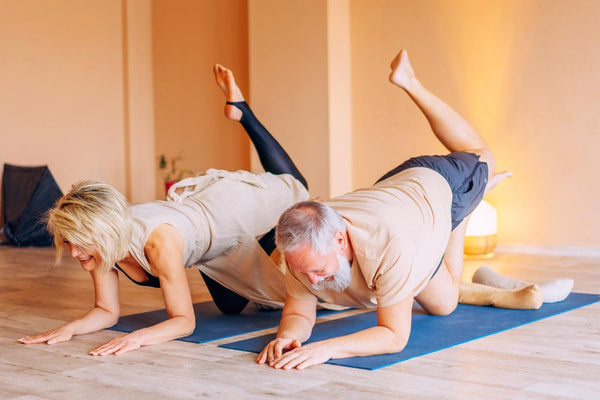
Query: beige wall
339	70
300	85
288	81
78	92
189	38
524	73
97	89
138	94
61	88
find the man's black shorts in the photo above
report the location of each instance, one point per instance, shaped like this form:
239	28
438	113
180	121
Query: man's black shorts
466	175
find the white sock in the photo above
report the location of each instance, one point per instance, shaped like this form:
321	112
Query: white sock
552	291
556	290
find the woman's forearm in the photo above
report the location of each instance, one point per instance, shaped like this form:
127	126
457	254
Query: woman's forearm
94	320
173	328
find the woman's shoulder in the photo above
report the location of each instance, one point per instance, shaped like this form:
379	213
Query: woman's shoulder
164	239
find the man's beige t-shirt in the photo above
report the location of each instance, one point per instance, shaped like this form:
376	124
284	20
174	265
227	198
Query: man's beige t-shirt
399	230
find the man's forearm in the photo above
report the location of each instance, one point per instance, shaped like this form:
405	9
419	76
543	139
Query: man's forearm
371	341
295	326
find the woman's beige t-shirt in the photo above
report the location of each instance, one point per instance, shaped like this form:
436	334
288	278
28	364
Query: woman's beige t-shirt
221	216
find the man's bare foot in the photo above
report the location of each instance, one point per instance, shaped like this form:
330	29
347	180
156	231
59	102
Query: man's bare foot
402	74
226	82
496	179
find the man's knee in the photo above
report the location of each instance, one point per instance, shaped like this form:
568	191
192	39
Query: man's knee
442	308
441	305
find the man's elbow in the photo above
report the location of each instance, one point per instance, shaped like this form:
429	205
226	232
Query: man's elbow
397	343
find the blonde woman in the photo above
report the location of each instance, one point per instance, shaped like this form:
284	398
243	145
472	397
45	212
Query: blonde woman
221	221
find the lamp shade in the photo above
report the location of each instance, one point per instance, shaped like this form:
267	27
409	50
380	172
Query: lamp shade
482	229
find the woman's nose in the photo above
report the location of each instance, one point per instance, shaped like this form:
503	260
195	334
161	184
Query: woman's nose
74	250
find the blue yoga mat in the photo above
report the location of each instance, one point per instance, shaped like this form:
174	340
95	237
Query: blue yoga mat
429	333
211	324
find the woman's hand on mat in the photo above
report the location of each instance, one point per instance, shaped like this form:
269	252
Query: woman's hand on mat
57	335
305	356
275	349
119	345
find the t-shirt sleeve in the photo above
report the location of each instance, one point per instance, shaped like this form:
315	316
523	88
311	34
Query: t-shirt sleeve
395	278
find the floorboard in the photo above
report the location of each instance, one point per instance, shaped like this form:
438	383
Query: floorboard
555	358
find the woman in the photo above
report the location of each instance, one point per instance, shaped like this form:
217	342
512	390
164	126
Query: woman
222	221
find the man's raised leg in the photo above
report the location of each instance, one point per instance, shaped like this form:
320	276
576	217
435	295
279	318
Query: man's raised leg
451	129
456	134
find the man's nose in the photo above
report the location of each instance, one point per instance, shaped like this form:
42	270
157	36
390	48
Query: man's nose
313	278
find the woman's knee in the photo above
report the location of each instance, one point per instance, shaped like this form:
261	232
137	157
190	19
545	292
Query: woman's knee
230	307
226	300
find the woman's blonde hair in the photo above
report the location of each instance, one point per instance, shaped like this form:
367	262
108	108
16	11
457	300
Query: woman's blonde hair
92	216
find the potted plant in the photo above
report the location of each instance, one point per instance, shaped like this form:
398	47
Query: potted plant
170	172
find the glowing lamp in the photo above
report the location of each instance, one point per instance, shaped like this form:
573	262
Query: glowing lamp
482	229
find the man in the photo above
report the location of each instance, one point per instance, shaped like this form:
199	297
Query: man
385	246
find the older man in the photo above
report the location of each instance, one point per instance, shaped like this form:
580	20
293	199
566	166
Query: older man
385	246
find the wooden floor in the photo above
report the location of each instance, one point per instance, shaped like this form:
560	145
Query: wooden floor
555	358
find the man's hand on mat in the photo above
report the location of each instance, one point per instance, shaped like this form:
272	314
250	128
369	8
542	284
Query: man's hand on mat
275	349
57	335
119	345
302	357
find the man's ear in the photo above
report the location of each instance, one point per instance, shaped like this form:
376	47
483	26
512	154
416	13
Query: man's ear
342	240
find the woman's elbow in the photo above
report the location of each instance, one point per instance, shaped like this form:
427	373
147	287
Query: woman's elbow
188	327
113	321
111	316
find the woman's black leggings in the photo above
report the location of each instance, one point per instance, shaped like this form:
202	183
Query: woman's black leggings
275	160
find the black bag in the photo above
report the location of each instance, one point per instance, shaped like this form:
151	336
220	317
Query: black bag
28	193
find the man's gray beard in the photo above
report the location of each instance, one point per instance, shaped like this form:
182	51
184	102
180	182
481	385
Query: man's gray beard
341	279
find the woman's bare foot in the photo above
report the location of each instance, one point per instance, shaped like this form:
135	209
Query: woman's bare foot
402	74
226	82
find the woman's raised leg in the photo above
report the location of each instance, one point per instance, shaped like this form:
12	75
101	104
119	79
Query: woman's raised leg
273	157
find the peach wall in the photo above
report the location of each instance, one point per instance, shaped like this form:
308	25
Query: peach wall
138	101
75	93
300	85
339	96
189	37
289	81
524	73
80	82
61	88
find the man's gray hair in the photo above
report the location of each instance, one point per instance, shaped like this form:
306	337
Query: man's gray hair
308	223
